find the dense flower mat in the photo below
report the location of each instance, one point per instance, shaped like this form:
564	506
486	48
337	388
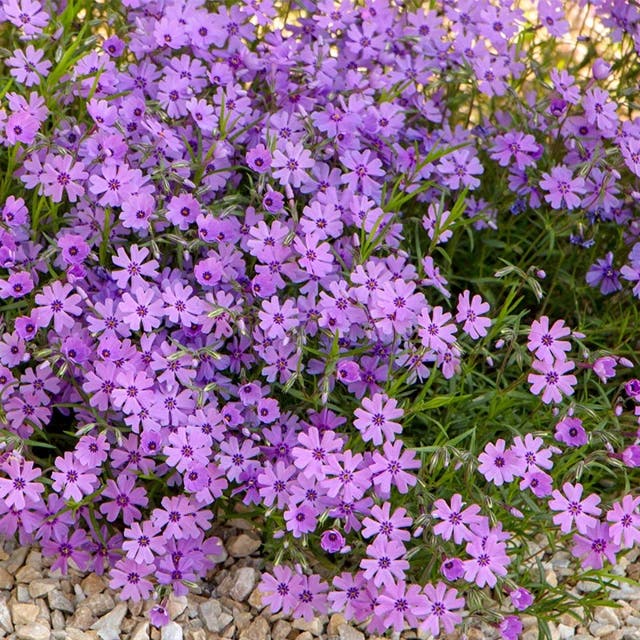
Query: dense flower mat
290	258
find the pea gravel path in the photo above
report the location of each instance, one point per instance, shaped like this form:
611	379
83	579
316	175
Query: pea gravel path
38	604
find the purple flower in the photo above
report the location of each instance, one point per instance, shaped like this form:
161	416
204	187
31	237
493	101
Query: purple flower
511	628
552	379
126	497
452	569
488	560
131	577
471	312
58	303
376	419
521	599
546	342
500	465
292	164
28	66
73	479
573	510
399	604
259	159
280	590
363	168
443	604
19	487
562	188
604	274
332	541
455	519
570	431
385	561
595	546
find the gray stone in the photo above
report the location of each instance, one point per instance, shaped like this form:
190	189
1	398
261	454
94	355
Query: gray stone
176	605
92	584
57	600
100	604
6	579
27	574
141	631
280	630
171	631
16	559
22	593
244	582
42	587
243	545
33	631
214	618
347	632
599	629
57	620
108	627
314	626
5	616
565	632
24	613
82	618
257	630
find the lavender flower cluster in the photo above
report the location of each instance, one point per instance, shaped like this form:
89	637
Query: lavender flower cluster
209	296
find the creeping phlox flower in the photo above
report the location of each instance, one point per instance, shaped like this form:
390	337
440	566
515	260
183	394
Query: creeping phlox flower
210	273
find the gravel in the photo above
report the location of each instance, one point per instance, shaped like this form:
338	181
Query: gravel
39	604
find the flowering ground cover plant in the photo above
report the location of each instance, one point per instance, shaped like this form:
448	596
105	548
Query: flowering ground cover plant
363	271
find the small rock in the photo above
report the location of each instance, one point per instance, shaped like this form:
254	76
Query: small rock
22	593
24	613
334	622
606	615
242	619
213	617
196	634
244	583
5	616
100	604
565	632
34	559
6	579
171	631
92	584
243	545
347	632
633	621
57	620
82	618
598	629
281	630
255	599
551	578
176	605
16	559
33	631
314	625
27	574
77	634
41	587
257	630
141	631
108	627
629	633
79	593
305	635
57	600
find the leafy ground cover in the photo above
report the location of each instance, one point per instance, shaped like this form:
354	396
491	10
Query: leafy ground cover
364	271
